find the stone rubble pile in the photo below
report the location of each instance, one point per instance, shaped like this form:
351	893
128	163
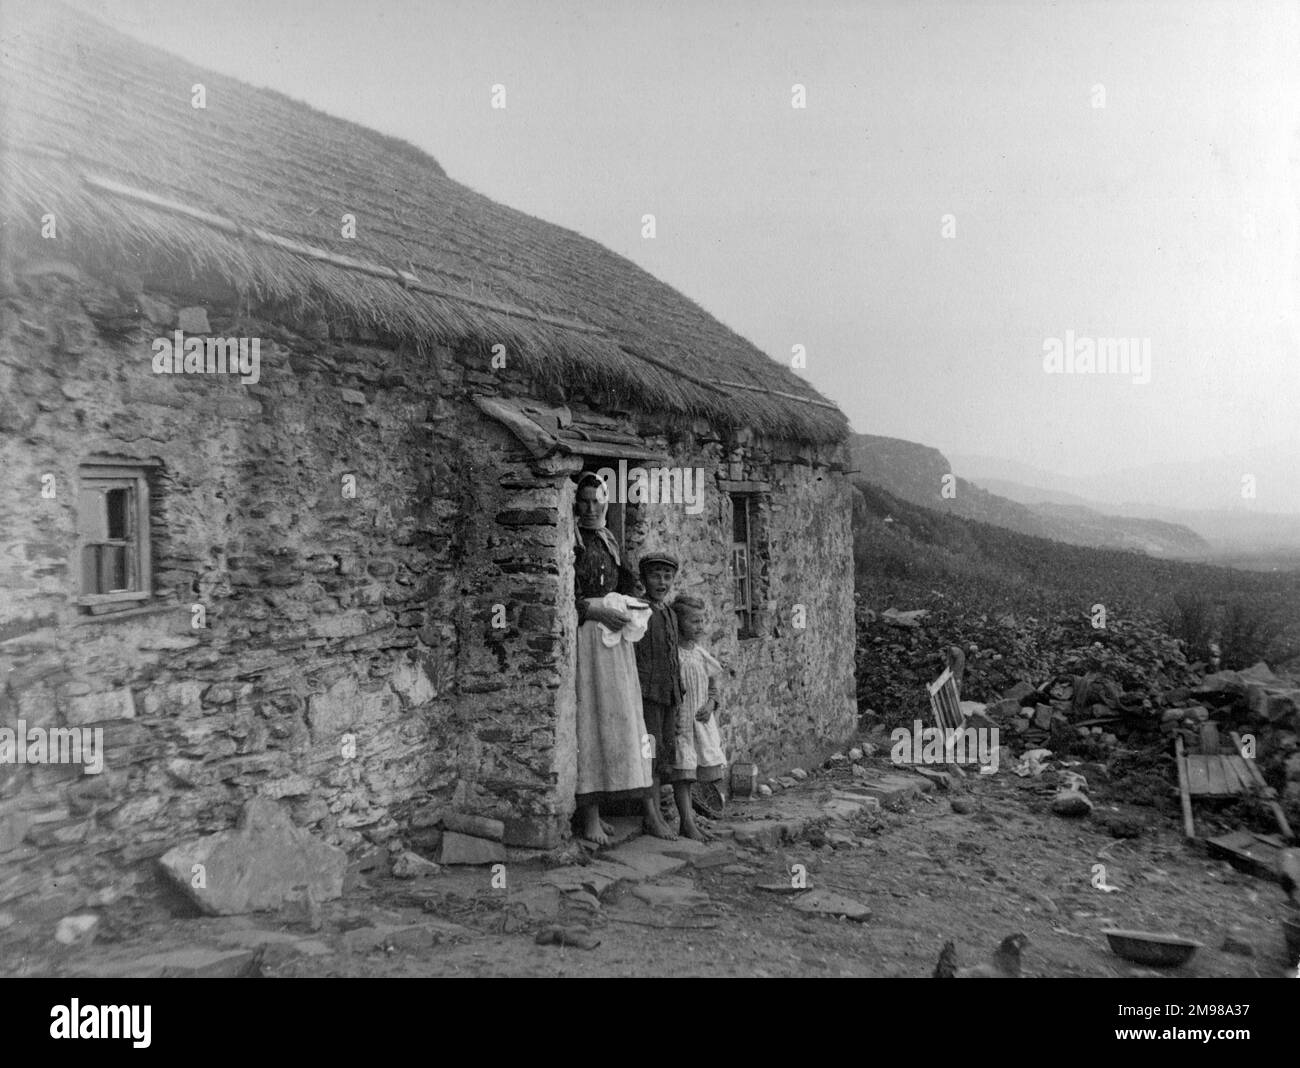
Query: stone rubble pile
1093	693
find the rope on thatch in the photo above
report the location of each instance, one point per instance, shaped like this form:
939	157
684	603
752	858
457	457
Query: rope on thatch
405	278
777	393
677	371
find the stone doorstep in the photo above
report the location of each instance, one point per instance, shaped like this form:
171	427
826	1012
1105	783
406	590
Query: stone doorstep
636	861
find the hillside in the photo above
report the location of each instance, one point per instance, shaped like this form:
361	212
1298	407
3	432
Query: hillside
908	556
917	473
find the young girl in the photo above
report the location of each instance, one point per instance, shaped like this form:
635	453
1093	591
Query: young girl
699	743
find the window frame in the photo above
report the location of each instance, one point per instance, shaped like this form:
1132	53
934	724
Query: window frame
105	476
754	620
743	581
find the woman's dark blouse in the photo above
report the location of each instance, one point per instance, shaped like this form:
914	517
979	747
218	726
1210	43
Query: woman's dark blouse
595	573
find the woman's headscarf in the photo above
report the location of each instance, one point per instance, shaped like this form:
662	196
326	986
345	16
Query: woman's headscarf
597	523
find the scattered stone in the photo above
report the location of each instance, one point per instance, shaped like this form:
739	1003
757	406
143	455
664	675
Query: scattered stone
192	962
193	320
409	865
303	908
962	806
1119	825
841	839
579	937
890	787
940	778
460	848
74	929
767	834
1232	944
257	938
259	865
1071	803
829	903
386	936
839	808
798	773
156	311
476	826
673	896
766	791
855	755
780	886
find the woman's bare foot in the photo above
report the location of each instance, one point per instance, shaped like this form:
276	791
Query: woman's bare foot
596	827
608	828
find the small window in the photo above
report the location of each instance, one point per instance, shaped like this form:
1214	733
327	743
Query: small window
113	534
743	592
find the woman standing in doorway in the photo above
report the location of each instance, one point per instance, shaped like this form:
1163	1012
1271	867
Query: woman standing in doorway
612	758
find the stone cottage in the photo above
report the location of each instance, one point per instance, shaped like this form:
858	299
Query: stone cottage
289	425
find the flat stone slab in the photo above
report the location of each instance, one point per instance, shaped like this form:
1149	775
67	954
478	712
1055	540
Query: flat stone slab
829	903
888	786
192	962
647	857
539	902
669	897
714	855
403	936
255	938
263	863
780	886
842	809
460	848
768	834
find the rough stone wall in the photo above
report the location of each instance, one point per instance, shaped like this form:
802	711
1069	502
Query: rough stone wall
349	663
369	660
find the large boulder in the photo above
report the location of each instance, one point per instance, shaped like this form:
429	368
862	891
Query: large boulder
262	864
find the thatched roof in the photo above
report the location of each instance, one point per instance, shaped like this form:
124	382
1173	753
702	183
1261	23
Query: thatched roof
99	129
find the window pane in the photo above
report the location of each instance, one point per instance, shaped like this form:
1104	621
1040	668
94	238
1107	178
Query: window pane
113	569
740	518
90	569
118	504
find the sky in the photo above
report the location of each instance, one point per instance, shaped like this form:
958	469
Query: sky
967	182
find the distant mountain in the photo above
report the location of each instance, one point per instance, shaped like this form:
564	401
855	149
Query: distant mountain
923	475
1240	532
1207	485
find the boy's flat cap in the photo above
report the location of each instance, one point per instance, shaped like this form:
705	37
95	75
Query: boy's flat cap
666	559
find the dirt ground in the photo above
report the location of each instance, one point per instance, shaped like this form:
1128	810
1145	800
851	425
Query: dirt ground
927	873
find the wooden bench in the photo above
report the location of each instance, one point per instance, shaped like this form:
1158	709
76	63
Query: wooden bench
1215	770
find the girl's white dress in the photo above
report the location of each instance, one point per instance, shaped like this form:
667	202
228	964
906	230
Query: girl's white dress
699	745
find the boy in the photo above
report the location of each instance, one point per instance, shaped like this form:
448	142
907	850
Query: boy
660	673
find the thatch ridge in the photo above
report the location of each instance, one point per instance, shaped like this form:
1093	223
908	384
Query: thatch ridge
80	102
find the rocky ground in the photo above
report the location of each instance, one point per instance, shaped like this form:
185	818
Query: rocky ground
917	860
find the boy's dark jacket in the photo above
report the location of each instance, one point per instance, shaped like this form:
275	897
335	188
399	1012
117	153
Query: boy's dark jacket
656	658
